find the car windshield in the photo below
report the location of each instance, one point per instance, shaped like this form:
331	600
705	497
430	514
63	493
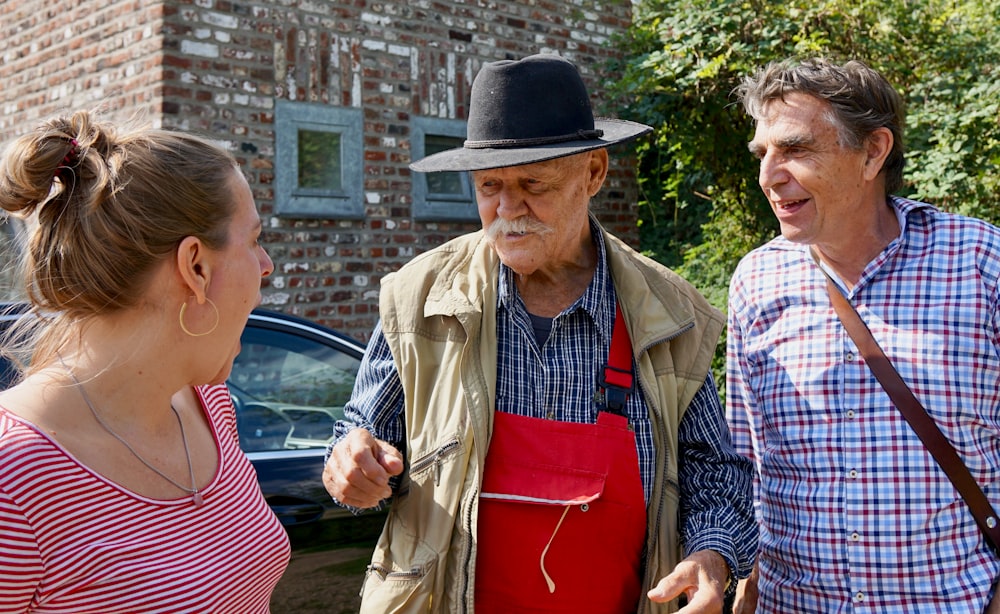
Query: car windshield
289	390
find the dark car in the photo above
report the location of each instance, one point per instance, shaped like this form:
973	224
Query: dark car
289	385
9	312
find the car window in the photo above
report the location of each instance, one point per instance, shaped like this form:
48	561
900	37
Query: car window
9	313
7	373
289	389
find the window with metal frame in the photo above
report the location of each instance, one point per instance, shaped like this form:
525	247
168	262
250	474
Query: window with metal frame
319	168
441	196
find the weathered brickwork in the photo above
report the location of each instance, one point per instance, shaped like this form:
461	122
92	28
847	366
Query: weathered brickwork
217	67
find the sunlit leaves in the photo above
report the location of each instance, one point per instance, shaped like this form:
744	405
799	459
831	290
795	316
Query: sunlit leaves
700	207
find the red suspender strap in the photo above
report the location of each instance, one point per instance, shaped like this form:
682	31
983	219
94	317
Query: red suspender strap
617	379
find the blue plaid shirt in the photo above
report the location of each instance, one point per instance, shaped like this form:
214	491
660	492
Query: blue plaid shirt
559	380
856	515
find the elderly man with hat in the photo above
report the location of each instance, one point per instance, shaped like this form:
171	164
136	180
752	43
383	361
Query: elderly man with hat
537	397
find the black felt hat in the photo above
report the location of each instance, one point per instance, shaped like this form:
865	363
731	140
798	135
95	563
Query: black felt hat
525	111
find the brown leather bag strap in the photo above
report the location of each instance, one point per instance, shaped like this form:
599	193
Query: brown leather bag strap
925	427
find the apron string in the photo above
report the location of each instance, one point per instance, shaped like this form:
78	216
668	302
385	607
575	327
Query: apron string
541	561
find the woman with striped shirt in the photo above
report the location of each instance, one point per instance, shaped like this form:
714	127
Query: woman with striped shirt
122	485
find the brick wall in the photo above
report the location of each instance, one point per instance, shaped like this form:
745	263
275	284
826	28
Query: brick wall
58	55
217	67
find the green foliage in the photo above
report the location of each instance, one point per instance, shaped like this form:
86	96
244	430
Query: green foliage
700	207
954	144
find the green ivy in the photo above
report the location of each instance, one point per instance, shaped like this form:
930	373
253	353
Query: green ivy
700	208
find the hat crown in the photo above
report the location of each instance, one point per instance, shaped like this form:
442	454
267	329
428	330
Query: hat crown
540	99
528	111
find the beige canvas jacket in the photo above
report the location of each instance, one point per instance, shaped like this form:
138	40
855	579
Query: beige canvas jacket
438	315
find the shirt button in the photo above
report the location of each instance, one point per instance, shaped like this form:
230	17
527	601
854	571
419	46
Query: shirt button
850	413
850	357
550	415
855	536
853	473
859	596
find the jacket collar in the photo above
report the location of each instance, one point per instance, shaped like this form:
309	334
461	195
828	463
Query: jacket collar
654	304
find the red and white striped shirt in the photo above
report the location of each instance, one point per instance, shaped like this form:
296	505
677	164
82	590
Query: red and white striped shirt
72	541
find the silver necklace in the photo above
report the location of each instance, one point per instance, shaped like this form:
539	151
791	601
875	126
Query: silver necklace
196	497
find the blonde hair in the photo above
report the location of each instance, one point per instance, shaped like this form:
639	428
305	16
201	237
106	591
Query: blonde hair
110	207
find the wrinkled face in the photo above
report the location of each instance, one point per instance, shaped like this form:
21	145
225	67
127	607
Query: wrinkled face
536	215
815	185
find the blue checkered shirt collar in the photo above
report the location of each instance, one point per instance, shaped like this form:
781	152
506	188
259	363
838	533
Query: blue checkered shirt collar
598	300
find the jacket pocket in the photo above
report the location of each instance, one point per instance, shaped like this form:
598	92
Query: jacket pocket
394	588
405	574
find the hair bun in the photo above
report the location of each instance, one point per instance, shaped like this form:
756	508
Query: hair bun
70	160
37	167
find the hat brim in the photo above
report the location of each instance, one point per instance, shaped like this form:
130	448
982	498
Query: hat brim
464	159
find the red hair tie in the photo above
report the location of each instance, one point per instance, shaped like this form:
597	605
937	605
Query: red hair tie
70	158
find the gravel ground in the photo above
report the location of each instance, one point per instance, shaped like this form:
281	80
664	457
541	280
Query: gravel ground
328	565
322	582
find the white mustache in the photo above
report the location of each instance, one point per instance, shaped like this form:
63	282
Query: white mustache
521	226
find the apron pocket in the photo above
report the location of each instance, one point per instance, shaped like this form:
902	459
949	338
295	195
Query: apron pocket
516	481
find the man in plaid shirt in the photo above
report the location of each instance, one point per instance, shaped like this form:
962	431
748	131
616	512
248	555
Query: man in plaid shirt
855	513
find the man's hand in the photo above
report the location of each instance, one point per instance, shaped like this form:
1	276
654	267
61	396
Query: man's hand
358	470
701	577
746	595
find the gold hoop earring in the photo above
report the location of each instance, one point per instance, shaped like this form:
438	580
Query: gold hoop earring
208	332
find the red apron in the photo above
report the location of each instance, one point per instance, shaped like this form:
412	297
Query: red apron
562	518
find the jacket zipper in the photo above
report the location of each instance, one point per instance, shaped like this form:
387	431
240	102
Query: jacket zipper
435	458
649	581
415	573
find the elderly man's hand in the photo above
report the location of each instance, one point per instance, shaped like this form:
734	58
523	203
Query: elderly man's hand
746	595
701	577
358	470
